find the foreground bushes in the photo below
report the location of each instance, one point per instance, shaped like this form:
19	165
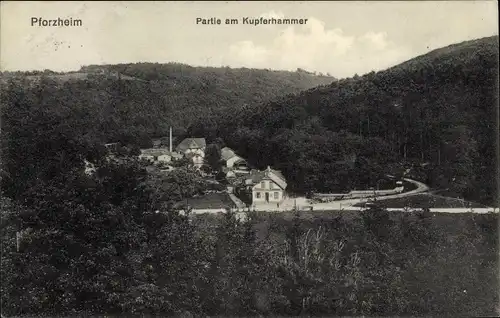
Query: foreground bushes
375	263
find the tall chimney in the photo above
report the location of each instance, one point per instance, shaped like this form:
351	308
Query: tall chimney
170	139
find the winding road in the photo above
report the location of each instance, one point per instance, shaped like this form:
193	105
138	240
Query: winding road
301	202
348	204
421	188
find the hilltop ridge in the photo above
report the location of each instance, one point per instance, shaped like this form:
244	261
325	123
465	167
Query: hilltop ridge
145	99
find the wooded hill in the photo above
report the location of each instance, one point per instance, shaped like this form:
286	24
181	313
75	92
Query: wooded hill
51	120
128	100
436	112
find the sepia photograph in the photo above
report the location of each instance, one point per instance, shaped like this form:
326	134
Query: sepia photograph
249	159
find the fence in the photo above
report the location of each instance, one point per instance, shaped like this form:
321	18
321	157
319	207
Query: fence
241	213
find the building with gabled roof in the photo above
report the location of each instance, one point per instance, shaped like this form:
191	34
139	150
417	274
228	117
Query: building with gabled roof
227	153
192	145
232	160
194	149
262	187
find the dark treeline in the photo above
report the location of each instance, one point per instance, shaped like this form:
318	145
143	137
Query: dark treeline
435	112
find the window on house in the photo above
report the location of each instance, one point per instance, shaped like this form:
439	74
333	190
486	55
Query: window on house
276	195
257	195
263	184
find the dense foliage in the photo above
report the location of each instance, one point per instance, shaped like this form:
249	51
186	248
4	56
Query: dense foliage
79	241
108	260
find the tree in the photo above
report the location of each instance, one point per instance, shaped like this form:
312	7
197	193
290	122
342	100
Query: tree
206	169
176	185
213	157
99	247
183	162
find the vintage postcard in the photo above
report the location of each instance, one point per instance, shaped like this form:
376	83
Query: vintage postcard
273	158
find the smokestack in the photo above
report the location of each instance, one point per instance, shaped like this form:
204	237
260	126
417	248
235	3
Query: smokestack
170	139
18	240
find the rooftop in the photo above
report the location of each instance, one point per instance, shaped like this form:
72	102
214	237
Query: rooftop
256	176
227	153
189	143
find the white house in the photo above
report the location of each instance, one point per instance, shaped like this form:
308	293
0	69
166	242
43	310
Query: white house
193	148
266	186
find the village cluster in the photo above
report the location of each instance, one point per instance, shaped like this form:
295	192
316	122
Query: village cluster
245	185
238	184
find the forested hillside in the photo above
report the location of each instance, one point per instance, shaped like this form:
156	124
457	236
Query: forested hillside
51	121
128	100
436	112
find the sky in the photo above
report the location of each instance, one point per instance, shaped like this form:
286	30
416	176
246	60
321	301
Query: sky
341	38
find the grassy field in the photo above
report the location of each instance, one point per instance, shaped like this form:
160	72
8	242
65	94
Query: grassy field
212	200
